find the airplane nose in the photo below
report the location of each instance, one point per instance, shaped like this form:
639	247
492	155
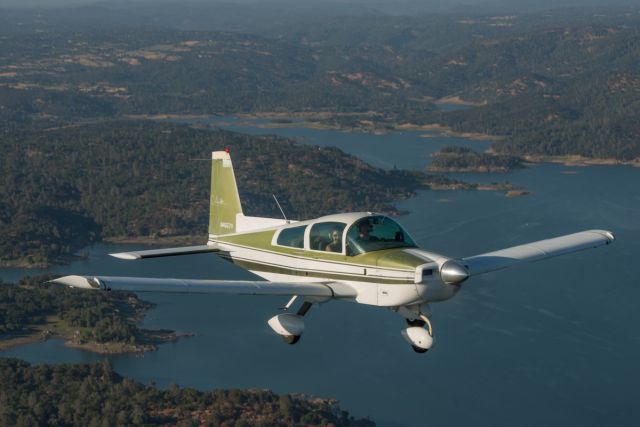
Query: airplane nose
452	272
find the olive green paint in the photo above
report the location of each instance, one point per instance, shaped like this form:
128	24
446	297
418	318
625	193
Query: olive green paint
394	259
225	202
323	275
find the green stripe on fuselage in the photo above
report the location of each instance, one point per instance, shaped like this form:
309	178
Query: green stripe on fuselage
393	259
320	275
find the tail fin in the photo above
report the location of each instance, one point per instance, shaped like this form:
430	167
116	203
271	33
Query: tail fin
225	200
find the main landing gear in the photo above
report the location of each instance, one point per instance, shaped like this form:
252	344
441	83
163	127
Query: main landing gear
419	334
288	325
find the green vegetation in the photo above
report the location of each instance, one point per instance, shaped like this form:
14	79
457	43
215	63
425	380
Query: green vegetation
34	310
94	395
75	171
68	186
556	83
107	73
464	159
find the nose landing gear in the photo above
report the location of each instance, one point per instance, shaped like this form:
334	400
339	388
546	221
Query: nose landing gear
419	334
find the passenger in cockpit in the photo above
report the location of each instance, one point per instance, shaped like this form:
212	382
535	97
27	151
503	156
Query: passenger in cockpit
336	244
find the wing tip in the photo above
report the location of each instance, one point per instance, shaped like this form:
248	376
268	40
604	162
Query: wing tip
606	234
74	281
126	255
610	236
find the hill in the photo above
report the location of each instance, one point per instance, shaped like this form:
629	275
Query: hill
83	395
65	187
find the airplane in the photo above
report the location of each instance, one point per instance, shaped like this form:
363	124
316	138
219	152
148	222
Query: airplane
361	257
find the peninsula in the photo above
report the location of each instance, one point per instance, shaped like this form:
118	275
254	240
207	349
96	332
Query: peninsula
463	159
101	322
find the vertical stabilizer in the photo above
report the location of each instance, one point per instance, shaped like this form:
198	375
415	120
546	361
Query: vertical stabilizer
225	200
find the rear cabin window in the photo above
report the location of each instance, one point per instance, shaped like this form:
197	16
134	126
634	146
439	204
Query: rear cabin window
293	237
326	236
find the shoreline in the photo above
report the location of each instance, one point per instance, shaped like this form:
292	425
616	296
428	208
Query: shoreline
456	100
367	125
576	160
149	341
183	239
434	129
471	169
6	344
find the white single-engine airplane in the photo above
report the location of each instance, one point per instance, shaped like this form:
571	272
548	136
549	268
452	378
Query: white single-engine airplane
360	257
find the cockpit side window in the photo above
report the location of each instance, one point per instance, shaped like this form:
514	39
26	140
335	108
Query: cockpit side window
292	237
375	233
326	236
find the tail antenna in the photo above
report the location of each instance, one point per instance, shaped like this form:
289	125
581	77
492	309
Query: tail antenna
280	207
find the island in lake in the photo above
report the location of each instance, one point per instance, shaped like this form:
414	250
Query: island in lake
464	159
101	322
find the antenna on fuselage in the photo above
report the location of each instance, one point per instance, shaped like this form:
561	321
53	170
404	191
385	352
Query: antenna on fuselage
280	207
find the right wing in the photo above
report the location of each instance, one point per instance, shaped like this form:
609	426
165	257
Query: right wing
238	287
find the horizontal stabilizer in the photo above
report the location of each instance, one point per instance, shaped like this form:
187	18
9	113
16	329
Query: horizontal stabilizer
155	253
537	251
186	286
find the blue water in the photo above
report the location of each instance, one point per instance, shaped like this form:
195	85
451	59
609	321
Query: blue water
443	106
551	343
407	150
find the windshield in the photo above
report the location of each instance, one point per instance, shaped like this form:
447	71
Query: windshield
375	233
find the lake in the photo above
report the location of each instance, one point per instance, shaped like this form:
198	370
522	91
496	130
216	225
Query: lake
550	343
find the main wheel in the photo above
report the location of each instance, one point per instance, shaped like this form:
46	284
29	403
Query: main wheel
415	322
419	350
291	339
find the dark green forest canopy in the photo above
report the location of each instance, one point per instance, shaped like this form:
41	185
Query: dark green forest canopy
558	83
99	316
65	187
464	159
84	395
552	85
149	72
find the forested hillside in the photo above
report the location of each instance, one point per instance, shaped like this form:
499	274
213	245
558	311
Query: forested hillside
33	310
557	83
554	83
87	395
66	187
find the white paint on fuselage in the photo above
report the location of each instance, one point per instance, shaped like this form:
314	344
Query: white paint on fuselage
370	292
317	265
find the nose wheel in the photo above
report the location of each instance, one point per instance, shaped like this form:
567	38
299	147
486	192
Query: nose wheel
419	334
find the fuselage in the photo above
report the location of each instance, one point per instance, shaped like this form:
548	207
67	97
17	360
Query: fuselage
383	263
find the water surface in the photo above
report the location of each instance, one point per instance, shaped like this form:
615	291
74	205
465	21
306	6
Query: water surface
551	343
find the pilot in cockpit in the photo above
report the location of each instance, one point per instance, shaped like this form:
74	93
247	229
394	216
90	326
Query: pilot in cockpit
364	232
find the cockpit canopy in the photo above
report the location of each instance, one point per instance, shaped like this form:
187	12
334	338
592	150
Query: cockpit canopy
374	233
329	234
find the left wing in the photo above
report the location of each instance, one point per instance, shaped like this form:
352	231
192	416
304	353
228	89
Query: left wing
155	253
238	287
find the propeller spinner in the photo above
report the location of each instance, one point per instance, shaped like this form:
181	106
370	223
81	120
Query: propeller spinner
453	272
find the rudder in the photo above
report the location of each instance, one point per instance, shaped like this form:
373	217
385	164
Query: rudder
225	204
